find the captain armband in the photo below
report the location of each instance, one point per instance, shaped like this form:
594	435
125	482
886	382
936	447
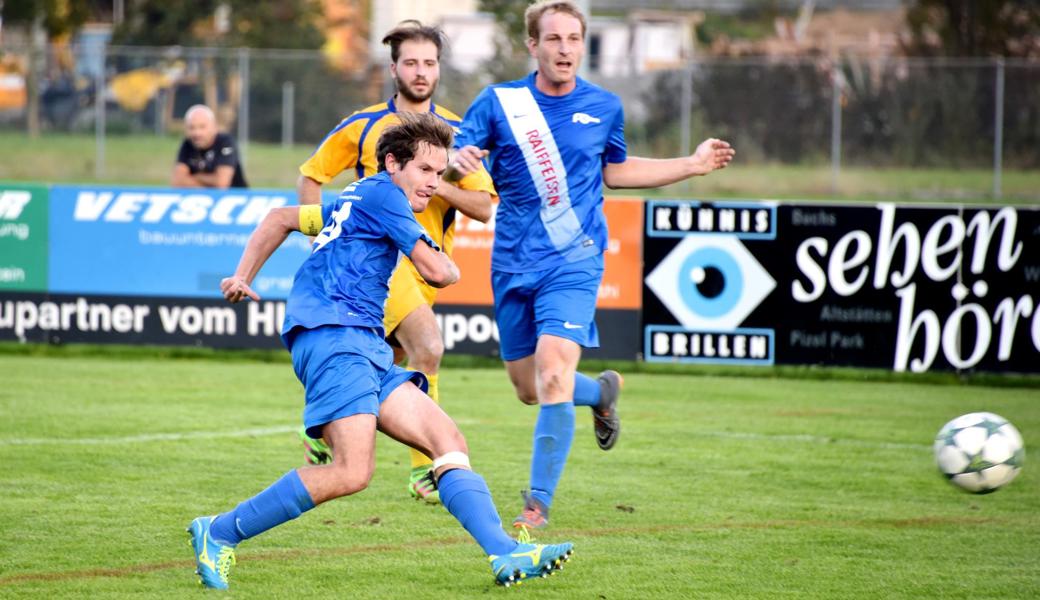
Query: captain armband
310	219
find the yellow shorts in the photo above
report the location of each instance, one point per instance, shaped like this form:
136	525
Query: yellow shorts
408	291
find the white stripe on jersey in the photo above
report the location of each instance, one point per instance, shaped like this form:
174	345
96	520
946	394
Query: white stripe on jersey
545	165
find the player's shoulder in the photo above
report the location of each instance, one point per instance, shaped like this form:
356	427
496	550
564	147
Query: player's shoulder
599	92
516	83
375	186
490	91
375	111
450	117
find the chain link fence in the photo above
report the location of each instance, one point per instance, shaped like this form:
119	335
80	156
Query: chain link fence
829	120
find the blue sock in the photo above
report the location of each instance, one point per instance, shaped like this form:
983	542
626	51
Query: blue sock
285	500
553	434
466	496
586	390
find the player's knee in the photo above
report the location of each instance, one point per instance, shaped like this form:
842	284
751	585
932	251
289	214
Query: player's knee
528	397
449	442
525	390
351	480
551	381
426	357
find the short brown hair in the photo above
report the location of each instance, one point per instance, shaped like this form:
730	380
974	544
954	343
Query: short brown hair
534	13
411	31
403	140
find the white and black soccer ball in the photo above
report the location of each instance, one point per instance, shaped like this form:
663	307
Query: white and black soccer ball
979	452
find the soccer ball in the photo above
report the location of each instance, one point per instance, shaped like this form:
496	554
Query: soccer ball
979	452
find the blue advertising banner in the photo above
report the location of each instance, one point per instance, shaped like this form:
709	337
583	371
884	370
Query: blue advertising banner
162	242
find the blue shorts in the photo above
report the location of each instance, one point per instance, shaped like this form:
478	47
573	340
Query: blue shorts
560	301
345	371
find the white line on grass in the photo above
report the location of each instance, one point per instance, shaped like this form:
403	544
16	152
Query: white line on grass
264	431
149	437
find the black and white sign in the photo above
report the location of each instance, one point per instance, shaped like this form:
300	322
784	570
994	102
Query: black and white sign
904	288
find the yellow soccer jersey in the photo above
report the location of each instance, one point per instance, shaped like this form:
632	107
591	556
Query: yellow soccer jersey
352	144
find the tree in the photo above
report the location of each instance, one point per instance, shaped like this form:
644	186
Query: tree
57	17
972	28
270	24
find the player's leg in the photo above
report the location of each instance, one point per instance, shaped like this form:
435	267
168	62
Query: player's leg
410	417
522	375
341	383
515	317
564	307
410	324
554	363
296	492
420	338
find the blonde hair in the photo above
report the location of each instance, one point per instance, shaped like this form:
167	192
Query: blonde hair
534	13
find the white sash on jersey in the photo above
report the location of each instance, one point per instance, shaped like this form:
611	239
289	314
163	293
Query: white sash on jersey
545	165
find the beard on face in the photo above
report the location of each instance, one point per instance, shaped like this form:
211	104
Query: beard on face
412	96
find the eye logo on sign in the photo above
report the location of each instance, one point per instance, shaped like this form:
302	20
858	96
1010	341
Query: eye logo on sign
710	282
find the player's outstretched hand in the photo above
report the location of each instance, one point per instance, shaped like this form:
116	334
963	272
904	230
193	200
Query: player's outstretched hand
236	289
713	154
464	161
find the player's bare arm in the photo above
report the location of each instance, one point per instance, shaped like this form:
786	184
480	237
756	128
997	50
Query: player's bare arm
436	267
308	191
711	155
267	237
474	204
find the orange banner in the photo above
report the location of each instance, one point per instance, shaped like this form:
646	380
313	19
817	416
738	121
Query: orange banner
622	285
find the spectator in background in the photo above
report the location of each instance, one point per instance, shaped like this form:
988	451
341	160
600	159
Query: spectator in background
207	158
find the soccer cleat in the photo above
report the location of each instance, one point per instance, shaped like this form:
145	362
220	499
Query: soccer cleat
604	417
422	485
213	560
317	452
535	515
529	560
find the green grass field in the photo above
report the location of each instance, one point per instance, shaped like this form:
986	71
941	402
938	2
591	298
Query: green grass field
147	160
720	487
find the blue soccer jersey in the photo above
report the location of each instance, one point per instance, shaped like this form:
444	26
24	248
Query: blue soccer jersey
346	278
547	155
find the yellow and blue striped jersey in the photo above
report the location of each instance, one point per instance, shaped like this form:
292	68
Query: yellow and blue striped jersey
352	145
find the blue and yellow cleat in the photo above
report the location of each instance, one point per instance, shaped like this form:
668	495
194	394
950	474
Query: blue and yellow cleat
213	560
529	561
316	452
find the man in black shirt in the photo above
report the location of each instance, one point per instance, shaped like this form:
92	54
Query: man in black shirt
207	158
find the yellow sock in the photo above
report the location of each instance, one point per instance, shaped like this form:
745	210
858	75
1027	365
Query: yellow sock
418	458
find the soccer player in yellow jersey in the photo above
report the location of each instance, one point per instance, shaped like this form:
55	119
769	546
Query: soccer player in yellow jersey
409	322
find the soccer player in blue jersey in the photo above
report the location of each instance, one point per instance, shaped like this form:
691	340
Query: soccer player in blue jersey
415	52
334	330
554	140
